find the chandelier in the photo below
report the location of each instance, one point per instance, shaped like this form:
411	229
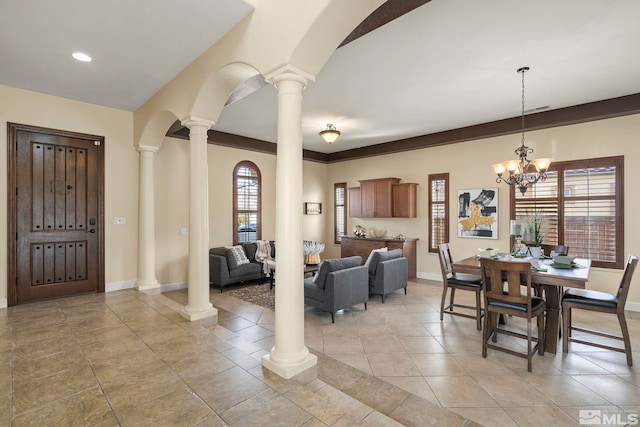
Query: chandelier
519	174
330	133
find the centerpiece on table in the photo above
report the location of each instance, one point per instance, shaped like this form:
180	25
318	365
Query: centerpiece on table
312	251
534	235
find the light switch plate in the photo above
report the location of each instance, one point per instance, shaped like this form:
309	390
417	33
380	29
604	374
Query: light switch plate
120	220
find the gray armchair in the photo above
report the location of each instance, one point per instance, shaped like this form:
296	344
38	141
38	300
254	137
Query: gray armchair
388	272
339	284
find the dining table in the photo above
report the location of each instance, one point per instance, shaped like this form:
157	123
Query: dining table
552	276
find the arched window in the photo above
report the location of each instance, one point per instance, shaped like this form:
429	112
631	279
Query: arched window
247	203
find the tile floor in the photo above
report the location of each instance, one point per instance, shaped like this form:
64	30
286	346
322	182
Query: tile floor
126	358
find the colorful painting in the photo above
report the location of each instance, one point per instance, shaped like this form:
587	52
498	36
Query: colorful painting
478	213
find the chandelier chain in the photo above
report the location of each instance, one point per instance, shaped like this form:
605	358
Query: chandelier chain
519	174
524	69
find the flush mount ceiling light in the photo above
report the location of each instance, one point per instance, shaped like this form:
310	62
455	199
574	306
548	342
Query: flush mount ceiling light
330	133
519	174
81	56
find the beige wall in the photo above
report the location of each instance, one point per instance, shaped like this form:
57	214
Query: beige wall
469	166
172	201
121	170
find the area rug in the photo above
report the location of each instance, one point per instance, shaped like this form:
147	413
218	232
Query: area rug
257	294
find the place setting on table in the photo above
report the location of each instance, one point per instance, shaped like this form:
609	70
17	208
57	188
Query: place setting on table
542	263
553	272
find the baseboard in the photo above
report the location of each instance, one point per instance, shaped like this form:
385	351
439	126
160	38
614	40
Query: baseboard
430	276
130	284
4	303
118	286
632	306
173	286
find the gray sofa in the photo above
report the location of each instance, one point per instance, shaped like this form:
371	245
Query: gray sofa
339	284
388	272
224	270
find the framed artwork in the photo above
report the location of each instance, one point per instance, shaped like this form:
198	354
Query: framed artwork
478	213
312	208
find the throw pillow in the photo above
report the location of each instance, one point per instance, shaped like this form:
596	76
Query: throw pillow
250	249
371	254
236	256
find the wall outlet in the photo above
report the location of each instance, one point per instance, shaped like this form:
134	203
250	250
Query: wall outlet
183	231
120	220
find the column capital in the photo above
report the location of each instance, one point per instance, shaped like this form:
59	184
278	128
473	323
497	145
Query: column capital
147	148
190	121
288	72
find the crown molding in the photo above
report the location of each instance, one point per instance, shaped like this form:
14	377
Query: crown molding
592	111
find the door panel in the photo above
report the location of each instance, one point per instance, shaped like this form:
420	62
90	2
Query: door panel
58	197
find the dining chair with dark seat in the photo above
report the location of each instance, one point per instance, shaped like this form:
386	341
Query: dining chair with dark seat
603	302
509	301
453	281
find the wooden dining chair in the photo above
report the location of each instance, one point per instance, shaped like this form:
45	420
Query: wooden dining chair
453	281
603	302
509	301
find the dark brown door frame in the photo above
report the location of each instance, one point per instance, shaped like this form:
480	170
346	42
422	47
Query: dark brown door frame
12	261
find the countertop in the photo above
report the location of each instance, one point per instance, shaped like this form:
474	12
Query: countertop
382	239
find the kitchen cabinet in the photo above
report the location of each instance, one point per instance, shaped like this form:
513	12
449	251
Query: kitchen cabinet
376	197
404	200
383	198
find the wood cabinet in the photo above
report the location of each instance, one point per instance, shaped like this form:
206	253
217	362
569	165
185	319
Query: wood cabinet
352	246
376	196
404	200
353	202
383	198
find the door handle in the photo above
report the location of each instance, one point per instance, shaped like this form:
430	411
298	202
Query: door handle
93	230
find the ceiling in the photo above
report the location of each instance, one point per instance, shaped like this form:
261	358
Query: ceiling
137	46
445	65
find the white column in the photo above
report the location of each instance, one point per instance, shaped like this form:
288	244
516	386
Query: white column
146	223
198	305
289	356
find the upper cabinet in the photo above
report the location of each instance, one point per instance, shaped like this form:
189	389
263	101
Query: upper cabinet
383	198
404	200
376	197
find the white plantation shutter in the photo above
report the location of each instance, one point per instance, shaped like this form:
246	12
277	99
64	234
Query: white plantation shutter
246	210
340	218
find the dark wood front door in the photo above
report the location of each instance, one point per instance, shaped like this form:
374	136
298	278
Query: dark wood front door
58	220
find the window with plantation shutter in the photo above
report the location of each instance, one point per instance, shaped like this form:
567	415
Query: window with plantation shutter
340	216
246	203
581	207
438	210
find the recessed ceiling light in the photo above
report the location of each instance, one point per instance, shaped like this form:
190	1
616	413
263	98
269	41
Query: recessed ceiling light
81	56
